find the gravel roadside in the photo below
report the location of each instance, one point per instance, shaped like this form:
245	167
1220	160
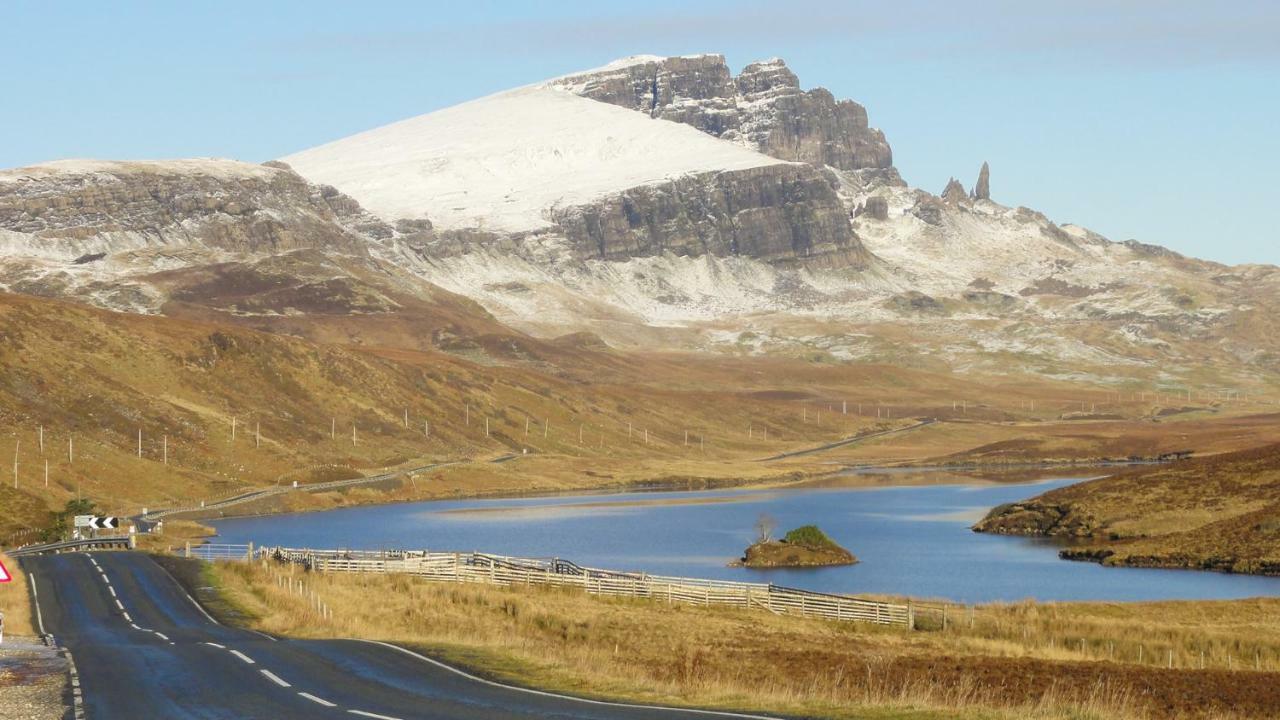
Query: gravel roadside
33	681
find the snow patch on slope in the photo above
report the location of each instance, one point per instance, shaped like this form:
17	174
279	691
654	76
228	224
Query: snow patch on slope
501	162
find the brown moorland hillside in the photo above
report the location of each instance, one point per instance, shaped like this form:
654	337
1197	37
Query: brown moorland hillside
138	411
134	411
1214	513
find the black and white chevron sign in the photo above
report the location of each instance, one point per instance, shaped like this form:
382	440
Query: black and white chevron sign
97	523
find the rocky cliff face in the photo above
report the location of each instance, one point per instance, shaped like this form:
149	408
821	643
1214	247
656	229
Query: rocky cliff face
136	235
777	213
763	108
874	208
76	208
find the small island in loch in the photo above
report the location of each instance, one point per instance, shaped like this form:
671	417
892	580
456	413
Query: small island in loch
806	546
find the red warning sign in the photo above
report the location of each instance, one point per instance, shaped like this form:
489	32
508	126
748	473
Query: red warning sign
4	574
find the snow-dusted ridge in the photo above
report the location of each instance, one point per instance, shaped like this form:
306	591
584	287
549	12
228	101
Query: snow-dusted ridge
219	168
652	229
502	162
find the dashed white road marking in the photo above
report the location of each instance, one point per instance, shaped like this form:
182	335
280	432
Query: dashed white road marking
214	644
160	635
315	699
119	605
242	656
112	590
275	678
372	715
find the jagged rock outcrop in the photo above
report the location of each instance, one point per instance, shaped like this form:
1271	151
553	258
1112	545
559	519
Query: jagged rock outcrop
874	208
914	302
778	213
78	209
763	108
930	209
982	190
954	192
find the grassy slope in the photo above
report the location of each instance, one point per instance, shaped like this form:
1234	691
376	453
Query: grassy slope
1220	513
96	378
1015	661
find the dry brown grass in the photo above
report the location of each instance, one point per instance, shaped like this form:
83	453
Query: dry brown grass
1221	635
1220	513
15	601
725	658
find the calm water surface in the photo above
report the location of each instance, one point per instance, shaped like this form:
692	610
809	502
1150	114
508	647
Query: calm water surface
911	540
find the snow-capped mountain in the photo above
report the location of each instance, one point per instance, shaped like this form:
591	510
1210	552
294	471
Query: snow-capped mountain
657	202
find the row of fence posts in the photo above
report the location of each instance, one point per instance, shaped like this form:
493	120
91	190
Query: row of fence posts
297	587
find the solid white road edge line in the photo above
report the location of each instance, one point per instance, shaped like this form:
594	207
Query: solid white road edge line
543	693
184	592
35	596
315	699
274	678
200	607
376	716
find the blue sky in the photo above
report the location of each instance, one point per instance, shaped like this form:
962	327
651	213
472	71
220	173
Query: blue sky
1153	120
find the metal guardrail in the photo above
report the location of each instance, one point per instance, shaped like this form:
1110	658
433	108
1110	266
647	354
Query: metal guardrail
504	570
115	542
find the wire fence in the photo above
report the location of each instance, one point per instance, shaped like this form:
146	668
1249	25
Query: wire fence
473	567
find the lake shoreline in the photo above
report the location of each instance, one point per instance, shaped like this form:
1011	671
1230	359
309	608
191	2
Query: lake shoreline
800	479
912	540
1108	557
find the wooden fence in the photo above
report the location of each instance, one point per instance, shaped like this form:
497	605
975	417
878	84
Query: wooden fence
501	570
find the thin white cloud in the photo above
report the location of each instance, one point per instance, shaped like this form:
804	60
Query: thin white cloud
1141	33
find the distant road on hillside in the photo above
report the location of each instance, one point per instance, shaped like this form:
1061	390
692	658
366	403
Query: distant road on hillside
849	441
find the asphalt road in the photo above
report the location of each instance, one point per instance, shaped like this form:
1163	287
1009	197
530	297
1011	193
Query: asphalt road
144	649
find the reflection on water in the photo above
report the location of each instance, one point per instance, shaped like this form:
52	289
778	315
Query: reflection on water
912	539
968	516
617	506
